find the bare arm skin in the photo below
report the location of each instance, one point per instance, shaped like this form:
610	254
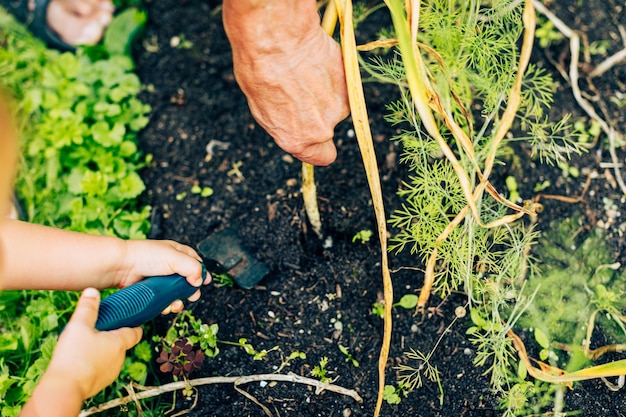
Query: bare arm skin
40	257
291	73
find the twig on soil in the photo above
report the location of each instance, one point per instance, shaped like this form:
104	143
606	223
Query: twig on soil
150	392
608	63
574	45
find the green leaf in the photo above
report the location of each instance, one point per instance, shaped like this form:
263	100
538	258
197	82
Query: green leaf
94	183
137	371
522	372
131	186
477	319
541	338
105	135
8	342
408	301
390	395
206	192
120	33
143	351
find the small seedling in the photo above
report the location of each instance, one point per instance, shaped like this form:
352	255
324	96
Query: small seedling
222	280
320	371
250	350
511	184
541	186
203	191
194	330
391	394
362	236
294	355
547	34
378	309
348	355
181	359
568	171
180	42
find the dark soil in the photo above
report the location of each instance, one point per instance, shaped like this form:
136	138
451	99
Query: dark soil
196	102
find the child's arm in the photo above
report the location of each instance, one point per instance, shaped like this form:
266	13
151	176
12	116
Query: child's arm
84	362
40	257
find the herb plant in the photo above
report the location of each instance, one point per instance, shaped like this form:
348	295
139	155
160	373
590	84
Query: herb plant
468	93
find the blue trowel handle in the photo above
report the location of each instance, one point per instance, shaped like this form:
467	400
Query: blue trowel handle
141	302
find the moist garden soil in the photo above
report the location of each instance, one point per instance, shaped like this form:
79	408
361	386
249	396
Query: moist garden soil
201	133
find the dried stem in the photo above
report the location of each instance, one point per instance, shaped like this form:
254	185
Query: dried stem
150	392
360	121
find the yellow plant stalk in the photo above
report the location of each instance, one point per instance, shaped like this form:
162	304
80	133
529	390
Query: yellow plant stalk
309	190
558	376
366	146
309	196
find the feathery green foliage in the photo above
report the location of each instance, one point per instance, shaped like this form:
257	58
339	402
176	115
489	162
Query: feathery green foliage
471	53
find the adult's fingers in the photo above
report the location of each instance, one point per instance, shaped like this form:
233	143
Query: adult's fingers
320	154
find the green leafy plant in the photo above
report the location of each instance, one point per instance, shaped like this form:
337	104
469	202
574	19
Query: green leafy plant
180	359
451	57
203	191
222	280
292	356
78	120
191	329
250	350
378	309
320	372
579	296
362	236
392	395
348	355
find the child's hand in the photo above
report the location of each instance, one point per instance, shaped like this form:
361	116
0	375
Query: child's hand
145	258
85	360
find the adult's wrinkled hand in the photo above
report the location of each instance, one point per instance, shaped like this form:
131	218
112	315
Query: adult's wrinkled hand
292	76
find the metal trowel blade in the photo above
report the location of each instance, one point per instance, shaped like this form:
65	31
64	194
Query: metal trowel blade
225	247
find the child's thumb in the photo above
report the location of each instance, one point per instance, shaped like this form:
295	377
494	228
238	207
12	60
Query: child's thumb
87	308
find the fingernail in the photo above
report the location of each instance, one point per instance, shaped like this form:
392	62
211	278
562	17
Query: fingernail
91	293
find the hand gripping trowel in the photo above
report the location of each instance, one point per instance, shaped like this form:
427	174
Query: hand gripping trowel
136	304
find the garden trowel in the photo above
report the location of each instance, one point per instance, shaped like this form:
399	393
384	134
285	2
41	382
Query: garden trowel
221	253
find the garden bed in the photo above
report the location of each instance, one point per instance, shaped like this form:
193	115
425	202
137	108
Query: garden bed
316	283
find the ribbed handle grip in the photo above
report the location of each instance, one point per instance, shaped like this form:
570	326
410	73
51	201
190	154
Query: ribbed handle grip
135	305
